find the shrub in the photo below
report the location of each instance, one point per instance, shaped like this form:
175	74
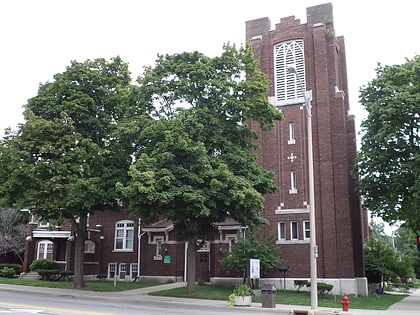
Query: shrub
16	267
301	283
7	272
44	264
322	287
101	276
49	274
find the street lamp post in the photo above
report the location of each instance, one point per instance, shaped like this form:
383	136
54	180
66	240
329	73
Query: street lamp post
313	247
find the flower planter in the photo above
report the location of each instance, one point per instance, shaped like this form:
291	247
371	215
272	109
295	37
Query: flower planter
243	300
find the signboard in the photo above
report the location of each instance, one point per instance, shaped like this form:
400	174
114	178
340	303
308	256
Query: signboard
167	259
254	268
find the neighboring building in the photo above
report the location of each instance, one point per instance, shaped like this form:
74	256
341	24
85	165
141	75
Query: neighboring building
116	247
319	58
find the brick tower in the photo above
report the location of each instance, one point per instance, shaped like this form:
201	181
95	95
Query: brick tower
319	58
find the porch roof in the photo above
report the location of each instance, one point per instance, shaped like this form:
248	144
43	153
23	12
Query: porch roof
51	234
164	225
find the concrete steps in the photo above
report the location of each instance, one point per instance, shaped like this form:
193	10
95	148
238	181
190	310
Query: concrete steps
30	275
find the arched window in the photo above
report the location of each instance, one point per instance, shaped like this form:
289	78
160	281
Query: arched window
45	250
124	235
289	54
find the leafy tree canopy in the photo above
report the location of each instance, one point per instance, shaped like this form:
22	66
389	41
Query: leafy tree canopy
195	164
382	259
64	161
389	160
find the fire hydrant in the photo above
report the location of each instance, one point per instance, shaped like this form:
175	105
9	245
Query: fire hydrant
345	301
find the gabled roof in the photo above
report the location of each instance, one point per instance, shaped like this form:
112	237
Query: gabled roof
163	225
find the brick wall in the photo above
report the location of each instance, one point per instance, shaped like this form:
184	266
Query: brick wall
339	217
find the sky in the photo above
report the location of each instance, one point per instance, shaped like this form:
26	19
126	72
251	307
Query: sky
39	38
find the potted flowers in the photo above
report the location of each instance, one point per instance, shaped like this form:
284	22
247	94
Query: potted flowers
241	296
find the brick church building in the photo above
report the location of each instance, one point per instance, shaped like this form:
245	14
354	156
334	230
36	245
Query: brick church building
118	246
319	60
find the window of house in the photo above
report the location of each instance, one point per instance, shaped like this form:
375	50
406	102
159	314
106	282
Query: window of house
89	247
291	133
293	187
287	88
124	235
306	230
111	270
231	242
134	271
45	250
159	243
294	232
281	227
123	270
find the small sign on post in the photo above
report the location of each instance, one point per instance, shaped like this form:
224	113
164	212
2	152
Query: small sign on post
254	268
167	259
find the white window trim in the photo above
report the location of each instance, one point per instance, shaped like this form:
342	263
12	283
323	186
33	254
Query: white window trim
134	270
159	240
112	267
281	230
231	242
128	225
48	245
287	88
293	185
306	230
292	139
294	223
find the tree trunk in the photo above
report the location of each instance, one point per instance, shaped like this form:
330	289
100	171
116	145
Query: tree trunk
79	259
191	266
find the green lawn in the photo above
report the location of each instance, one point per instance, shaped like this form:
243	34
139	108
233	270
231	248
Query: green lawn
303	298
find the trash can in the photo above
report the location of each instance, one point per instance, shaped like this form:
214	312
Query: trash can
268	294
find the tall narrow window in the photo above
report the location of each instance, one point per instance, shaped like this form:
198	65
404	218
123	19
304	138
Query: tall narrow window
124	235
159	243
231	242
289	54
281	227
123	270
294	231
111	270
306	230
293	187
291	133
134	271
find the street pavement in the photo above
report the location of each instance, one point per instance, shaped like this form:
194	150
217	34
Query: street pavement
409	305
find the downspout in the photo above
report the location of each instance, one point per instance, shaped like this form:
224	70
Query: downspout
139	236
185	261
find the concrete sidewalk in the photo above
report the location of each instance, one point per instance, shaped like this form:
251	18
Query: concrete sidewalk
409	305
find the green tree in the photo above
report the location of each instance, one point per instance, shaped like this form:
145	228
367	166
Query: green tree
382	258
64	161
250	247
196	164
388	162
405	244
